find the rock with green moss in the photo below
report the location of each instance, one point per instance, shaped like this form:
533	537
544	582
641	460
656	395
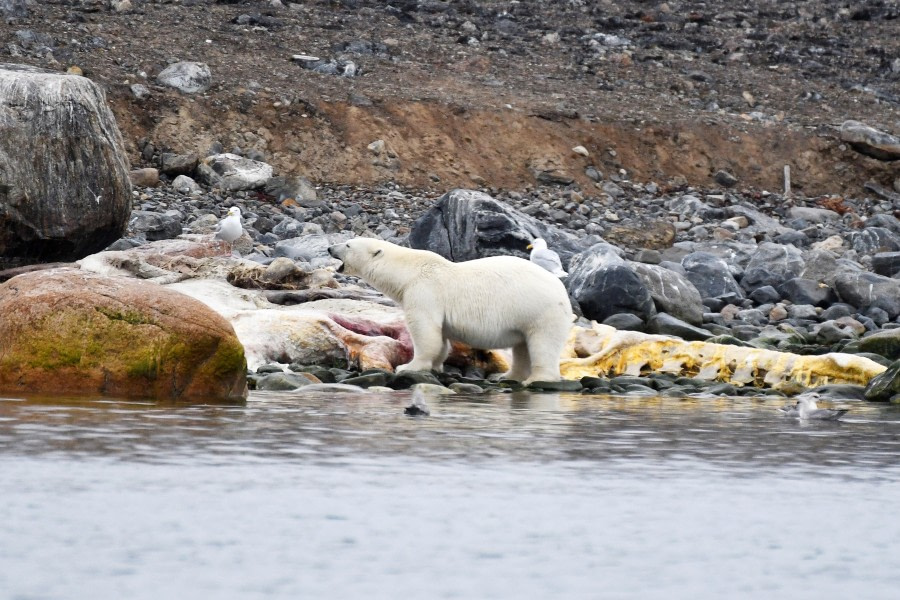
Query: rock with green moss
882	387
70	332
886	343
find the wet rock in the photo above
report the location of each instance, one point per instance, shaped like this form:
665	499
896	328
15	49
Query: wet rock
772	264
672	292
884	387
612	289
625	321
234	173
367	380
65	190
278	382
563	385
466	224
407	379
870	141
70	332
711	276
186	77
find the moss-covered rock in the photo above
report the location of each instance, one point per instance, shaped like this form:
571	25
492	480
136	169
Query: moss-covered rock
882	387
69	332
886	343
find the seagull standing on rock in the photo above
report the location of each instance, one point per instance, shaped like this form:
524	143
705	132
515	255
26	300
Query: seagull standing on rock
230	228
546	258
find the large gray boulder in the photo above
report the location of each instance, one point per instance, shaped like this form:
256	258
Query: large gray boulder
772	264
873	240
186	77
604	284
64	187
233	173
467	224
870	141
711	276
864	290
672	292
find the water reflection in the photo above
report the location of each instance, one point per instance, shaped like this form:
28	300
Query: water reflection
737	434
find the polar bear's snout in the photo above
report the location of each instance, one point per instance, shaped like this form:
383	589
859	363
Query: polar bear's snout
337	251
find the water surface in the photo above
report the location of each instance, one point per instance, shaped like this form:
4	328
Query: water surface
502	496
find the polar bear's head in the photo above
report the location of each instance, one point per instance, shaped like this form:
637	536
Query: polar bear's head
359	255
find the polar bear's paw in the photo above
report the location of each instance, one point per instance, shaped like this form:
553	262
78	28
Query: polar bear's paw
413	366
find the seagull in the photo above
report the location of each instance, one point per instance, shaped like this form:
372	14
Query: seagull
230	228
418	406
546	258
806	409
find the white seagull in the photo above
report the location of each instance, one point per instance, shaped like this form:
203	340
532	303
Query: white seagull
230	227
807	409
546	258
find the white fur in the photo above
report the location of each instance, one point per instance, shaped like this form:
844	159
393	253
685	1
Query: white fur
488	303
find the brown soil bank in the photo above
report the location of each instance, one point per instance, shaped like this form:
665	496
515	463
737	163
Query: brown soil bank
428	144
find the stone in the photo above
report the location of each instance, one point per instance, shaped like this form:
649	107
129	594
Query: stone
870	141
886	263
765	295
187	77
665	324
467	224
886	343
187	186
672	292
711	276
310	247
178	164
146	177
655	235
65	191
278	382
884	220
234	173
612	289
807	291
154	226
69	332
296	188
823	266
882	387
408	379
863	290
772	264
625	321
813	215
140	91
725	179
873	240
369	379
563	385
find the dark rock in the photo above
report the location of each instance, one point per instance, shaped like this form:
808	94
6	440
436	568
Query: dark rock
65	191
651	257
466	224
836	311
765	295
625	321
886	263
885	385
807	291
146	177
710	275
665	324
368	380
608	290
772	264
282	382
841	391
672	292
563	385
862	290
407	379
873	240
886	343
726	179
885	221
178	164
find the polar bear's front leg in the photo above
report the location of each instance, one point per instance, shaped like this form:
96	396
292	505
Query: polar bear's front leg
429	346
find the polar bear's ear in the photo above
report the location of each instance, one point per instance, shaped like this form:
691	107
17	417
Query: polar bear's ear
377	253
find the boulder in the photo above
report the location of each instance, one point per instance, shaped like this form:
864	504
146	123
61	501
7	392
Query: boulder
711	276
823	266
813	216
154	226
886	343
298	189
233	173
885	386
886	263
186	77
73	333
864	290
665	324
146	177
672	292
807	291
873	240
612	289
64	187
466	224
870	141
187	186
310	247
772	264
178	164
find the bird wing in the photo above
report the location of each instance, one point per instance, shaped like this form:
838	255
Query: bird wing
547	259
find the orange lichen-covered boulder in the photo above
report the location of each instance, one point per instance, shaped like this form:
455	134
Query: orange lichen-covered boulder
71	332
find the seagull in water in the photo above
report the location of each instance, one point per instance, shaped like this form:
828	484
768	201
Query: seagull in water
546	258
807	409
230	228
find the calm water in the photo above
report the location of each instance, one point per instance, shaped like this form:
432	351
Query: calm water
523	496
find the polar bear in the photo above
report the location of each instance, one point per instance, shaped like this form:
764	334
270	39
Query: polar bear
487	303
